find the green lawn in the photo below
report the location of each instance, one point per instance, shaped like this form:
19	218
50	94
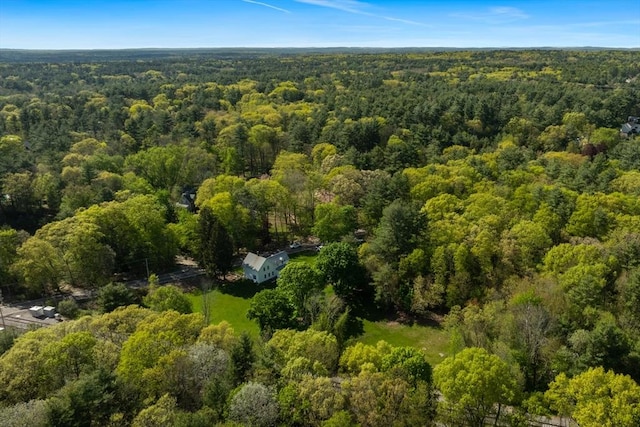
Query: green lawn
227	307
433	341
308	258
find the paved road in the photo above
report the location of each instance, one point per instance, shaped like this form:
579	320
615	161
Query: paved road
186	271
17	315
21	318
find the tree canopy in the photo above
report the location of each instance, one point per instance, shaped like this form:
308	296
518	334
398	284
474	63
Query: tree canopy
489	192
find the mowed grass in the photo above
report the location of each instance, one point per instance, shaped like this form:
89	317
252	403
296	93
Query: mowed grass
305	257
227	307
432	340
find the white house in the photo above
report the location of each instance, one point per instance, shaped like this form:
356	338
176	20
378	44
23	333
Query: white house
631	127
260	269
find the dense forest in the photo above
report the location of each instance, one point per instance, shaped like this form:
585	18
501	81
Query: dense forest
488	192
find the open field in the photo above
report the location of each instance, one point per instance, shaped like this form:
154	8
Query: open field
432	340
231	308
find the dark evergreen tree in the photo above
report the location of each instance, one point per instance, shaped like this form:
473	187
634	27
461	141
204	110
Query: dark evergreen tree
114	295
242	359
216	247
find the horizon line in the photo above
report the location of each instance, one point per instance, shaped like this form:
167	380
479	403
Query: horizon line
308	47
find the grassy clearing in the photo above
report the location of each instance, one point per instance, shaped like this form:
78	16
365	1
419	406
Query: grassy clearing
231	308
305	257
432	340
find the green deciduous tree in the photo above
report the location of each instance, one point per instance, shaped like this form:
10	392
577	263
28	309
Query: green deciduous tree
11	152
590	218
221	335
376	399
311	400
39	265
70	250
333	221
10	240
272	310
72	355
233	216
299	281
316	346
475	385
172	165
24	372
409	364
597	398
162	413
358	356
136	230
524	245
167	297
18	192
339	265
155	344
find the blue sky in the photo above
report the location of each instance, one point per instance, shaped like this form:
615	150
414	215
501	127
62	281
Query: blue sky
102	24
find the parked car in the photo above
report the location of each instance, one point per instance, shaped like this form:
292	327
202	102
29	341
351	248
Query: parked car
295	245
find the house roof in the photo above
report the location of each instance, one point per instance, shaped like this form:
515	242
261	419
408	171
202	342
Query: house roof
630	127
256	262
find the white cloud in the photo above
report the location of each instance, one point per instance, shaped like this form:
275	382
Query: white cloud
404	21
351	6
356	7
508	12
270	6
495	15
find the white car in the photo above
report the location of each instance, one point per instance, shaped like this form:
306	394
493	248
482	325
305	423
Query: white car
295	245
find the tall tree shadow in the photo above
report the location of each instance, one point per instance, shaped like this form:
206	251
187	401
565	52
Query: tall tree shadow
244	288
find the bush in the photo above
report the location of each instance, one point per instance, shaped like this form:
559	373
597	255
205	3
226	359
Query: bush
115	295
168	297
68	308
7	337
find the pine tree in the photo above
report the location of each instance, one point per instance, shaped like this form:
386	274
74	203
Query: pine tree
242	359
216	247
